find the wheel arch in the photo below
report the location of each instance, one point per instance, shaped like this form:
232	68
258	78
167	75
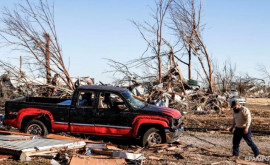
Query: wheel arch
147	121
44	118
146	126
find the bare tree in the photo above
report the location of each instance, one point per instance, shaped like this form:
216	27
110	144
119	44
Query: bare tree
263	70
186	16
161	48
31	28
155	32
173	64
123	69
225	75
12	70
246	83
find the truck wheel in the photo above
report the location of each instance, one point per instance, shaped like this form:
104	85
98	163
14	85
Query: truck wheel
152	136
36	127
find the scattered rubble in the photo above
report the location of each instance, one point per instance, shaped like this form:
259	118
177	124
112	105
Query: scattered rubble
63	150
195	100
169	93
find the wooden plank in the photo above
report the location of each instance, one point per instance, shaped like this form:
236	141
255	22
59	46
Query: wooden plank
138	151
239	161
45	155
96	146
14	133
171	148
102	152
14	137
112	147
159	145
95	160
151	157
5	157
53	148
10	151
55	136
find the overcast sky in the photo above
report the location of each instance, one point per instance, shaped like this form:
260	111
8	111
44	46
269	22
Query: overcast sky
90	31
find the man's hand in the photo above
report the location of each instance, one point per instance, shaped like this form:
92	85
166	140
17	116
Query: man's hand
230	129
246	131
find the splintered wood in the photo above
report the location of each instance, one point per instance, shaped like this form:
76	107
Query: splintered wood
85	160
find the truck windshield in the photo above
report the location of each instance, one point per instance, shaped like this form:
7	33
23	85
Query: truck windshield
137	104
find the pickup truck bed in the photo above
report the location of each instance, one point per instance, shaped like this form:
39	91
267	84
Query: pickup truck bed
29	105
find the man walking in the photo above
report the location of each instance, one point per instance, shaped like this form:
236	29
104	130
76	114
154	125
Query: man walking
241	123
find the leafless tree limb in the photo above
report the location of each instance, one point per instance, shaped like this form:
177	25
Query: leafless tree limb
186	17
31	28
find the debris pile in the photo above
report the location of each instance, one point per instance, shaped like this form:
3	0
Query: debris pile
60	149
193	100
186	95
12	87
57	149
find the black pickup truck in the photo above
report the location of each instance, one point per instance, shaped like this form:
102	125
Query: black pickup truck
96	110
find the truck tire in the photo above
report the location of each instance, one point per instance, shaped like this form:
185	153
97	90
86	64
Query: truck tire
36	127
152	136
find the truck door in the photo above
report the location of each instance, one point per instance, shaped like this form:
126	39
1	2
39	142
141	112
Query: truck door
113	116
81	115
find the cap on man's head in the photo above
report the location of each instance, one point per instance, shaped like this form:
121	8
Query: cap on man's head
234	103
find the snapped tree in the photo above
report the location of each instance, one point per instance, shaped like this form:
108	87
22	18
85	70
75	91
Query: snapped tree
31	27
186	16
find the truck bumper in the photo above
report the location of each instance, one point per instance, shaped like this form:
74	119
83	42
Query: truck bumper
173	135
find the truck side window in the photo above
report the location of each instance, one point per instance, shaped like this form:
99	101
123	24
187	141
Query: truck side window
104	100
86	99
111	101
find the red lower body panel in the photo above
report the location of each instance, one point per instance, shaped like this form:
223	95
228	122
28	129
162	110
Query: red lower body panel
84	129
60	127
110	131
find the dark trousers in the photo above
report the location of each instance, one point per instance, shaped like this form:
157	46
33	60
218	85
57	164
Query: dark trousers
238	135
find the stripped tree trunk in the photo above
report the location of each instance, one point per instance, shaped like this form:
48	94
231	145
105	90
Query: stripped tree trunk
159	64
47	58
189	63
179	72
20	65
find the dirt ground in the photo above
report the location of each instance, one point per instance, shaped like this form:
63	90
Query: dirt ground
260	112
209	145
209	148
